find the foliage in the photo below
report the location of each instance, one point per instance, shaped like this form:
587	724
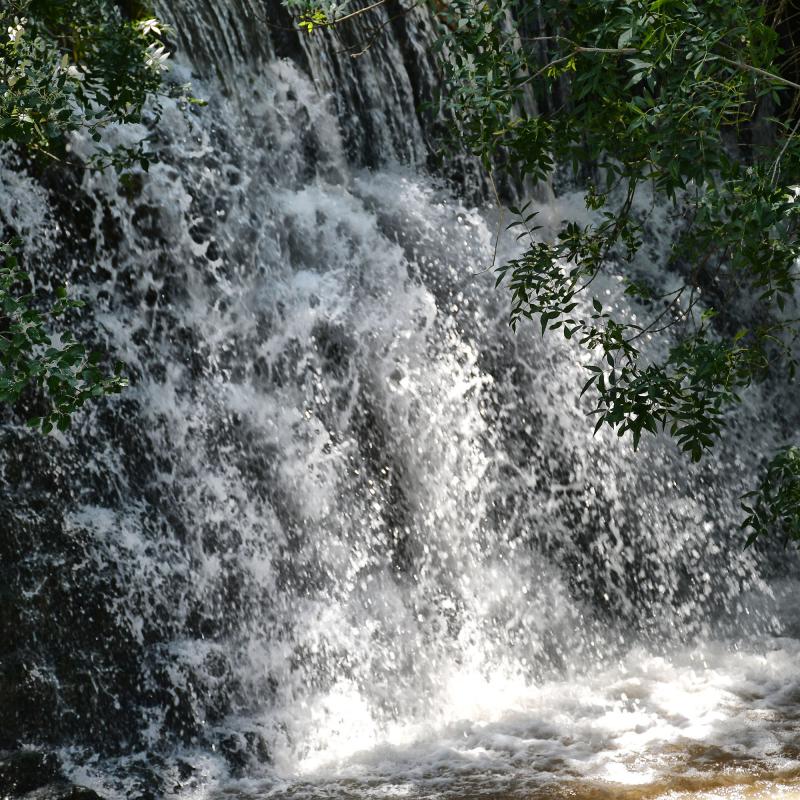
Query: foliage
73	65
663	94
313	15
775	505
665	97
30	357
66	66
313	19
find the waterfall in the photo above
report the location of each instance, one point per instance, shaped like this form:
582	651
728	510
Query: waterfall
346	534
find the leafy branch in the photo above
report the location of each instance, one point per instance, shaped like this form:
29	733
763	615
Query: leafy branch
76	66
646	92
30	356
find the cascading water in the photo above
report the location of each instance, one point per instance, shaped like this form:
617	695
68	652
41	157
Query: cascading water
346	535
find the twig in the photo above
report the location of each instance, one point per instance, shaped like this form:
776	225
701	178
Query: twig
329	23
649	327
499	220
620	51
758	71
783	150
355	13
633	51
500	210
376	32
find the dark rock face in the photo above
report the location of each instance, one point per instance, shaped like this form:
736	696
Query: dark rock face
25	771
63	791
57	624
36	775
29	698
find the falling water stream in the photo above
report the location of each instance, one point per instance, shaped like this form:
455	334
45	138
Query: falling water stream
346	535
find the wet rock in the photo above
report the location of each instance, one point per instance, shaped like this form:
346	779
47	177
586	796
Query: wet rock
244	751
147	220
63	791
131	185
235	753
26	770
27	700
185	769
148	779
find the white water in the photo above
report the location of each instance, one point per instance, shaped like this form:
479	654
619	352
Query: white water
706	716
364	541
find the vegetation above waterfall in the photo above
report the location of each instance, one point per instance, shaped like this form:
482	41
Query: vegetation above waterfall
68	67
695	103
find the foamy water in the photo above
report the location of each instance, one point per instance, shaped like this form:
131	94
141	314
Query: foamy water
721	718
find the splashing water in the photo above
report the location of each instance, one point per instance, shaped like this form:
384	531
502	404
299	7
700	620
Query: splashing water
346	535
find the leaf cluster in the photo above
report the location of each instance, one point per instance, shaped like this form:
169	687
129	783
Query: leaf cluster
775	505
73	65
30	355
66	66
662	94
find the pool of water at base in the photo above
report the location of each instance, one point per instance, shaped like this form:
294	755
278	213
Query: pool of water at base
717	721
732	783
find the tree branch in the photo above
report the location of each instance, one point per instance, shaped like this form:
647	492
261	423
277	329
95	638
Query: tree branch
757	71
